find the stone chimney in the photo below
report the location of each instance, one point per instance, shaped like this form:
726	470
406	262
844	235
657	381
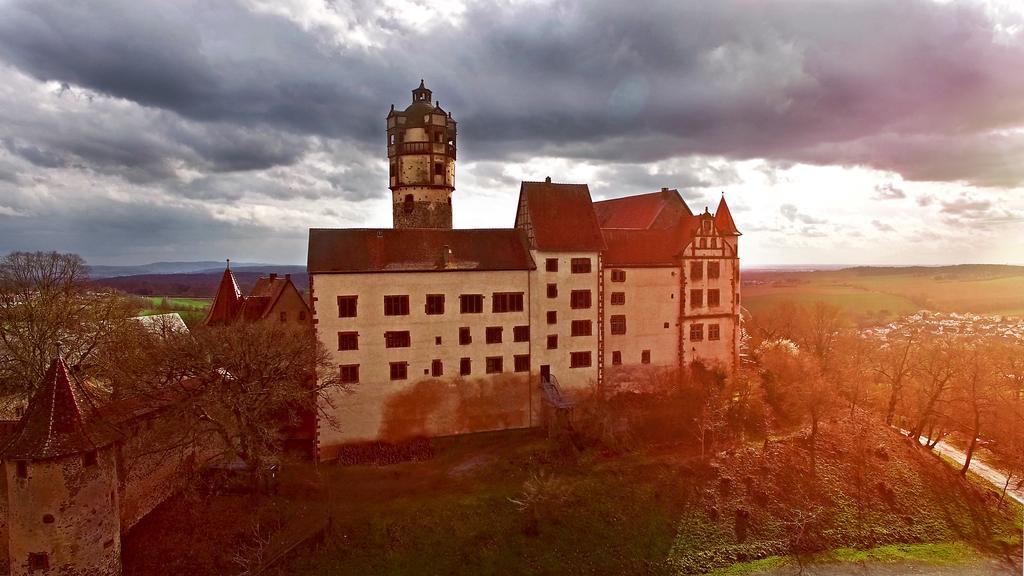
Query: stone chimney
273	276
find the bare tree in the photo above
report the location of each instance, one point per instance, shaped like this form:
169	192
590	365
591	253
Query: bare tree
46	302
936	365
893	365
976	396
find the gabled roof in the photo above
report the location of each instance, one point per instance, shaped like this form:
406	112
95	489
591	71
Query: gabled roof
561	216
227	301
640	248
415	250
60	421
661	210
264	295
723	219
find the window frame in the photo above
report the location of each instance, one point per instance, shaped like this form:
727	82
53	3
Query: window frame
697	332
466	301
396	304
517	363
618	275
618	299
696	270
580	300
521	333
465	366
342	335
551	265
434	305
403	372
581	359
696	298
617	324
714	297
465	336
714	270
493	334
714	332
582	327
397	339
581	265
503	302
494	365
342	376
343	304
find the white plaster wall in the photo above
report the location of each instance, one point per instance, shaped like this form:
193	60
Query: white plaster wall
652	300
362	413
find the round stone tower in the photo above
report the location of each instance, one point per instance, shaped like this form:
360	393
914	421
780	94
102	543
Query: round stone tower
62	491
421	154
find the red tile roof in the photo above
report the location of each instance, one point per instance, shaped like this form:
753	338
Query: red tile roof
60	421
415	249
226	303
723	219
655	210
561	216
640	248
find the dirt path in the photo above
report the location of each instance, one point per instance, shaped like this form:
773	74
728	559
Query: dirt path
995	477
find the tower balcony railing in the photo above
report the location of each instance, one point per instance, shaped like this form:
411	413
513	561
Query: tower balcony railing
422	148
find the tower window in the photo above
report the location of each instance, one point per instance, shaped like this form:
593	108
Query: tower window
408	205
438	169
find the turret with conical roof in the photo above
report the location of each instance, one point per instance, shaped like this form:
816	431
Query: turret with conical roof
421	156
63	494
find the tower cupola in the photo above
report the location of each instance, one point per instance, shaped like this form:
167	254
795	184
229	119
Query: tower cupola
421	156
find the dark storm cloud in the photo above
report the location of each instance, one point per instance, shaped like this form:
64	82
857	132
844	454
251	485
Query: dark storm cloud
596	80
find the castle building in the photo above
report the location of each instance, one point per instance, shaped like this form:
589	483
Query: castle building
272	298
443	331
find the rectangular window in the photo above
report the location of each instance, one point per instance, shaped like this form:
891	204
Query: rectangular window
438	168
618	324
494	334
396	305
581	328
436	368
552	317
521	362
507	302
697	270
465	367
347	306
618	275
696	298
714	297
399	370
494	365
435	304
581	265
465	337
397	339
348	340
471	303
714	270
521	334
22	467
579	299
618	298
552	341
714	332
552	290
616	358
579	359
696	332
551	264
283	316
350	374
89	458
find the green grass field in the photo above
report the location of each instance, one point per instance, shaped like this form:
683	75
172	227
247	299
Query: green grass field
191	310
880	294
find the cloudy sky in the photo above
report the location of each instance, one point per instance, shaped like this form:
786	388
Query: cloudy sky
873	131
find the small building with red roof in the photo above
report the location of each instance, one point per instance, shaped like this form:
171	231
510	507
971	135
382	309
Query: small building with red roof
273	298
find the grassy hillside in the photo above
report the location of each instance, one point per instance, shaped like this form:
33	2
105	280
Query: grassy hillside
652	512
883	293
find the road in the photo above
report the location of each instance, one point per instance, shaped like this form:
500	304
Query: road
987	472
